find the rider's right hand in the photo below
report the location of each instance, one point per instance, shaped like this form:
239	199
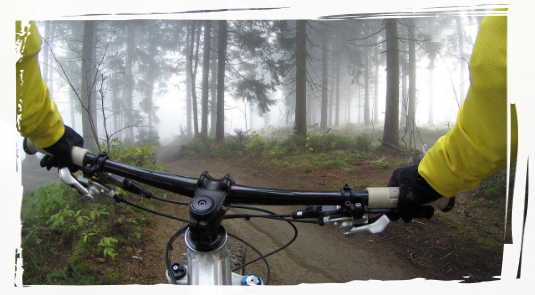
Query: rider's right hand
61	151
414	193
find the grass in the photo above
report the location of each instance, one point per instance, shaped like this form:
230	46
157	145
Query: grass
325	150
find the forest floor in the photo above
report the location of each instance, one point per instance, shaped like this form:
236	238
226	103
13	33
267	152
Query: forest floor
465	244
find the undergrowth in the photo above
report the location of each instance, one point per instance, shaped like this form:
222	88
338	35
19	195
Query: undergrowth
62	232
318	149
507	203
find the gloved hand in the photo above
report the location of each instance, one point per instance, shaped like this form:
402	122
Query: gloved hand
61	151
414	192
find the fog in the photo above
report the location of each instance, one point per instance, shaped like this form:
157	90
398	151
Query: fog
164	51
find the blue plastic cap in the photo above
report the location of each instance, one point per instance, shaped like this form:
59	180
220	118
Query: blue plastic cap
251	283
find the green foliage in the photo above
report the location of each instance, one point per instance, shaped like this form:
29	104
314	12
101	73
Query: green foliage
487	243
78	274
107	243
57	220
240	139
137	155
364	143
317	149
196	146
495	185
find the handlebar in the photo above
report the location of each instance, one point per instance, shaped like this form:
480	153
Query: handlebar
382	199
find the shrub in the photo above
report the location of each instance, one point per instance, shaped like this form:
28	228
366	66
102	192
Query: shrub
495	185
76	274
137	155
364	143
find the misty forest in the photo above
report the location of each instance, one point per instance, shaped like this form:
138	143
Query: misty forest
163	80
289	104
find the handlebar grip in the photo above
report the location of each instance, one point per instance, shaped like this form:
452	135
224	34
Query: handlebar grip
77	153
387	197
383	197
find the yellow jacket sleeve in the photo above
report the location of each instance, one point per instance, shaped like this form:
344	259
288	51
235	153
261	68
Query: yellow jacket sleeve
37	116
476	147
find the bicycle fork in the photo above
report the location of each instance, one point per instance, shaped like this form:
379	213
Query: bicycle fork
208	268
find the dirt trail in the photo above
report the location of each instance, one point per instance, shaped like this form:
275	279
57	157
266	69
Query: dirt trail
320	254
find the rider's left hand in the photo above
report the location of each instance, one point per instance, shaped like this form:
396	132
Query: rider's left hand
61	151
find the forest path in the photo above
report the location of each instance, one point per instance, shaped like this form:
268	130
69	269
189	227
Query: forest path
320	254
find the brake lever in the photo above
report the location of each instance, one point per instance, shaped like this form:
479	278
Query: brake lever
96	190
348	225
65	175
375	227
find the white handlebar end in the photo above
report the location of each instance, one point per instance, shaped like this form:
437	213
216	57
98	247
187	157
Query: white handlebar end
78	155
383	197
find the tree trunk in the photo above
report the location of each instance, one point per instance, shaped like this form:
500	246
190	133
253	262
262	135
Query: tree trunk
189	127
221	60
348	83
50	62
300	79
129	93
337	110
193	69
391	128
331	94
431	69
411	111
324	82
45	49
366	87
376	89
205	73
213	93
404	96
251	117
87	103
151	77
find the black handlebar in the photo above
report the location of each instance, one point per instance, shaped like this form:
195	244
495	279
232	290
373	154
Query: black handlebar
238	194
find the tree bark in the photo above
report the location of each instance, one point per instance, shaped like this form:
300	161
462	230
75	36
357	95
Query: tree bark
411	111
300	79
205	73
221	60
213	93
129	93
45	49
366	87
376	89
337	110
87	103
391	128
431	69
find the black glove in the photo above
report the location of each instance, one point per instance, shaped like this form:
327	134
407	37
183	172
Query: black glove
414	192
61	151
